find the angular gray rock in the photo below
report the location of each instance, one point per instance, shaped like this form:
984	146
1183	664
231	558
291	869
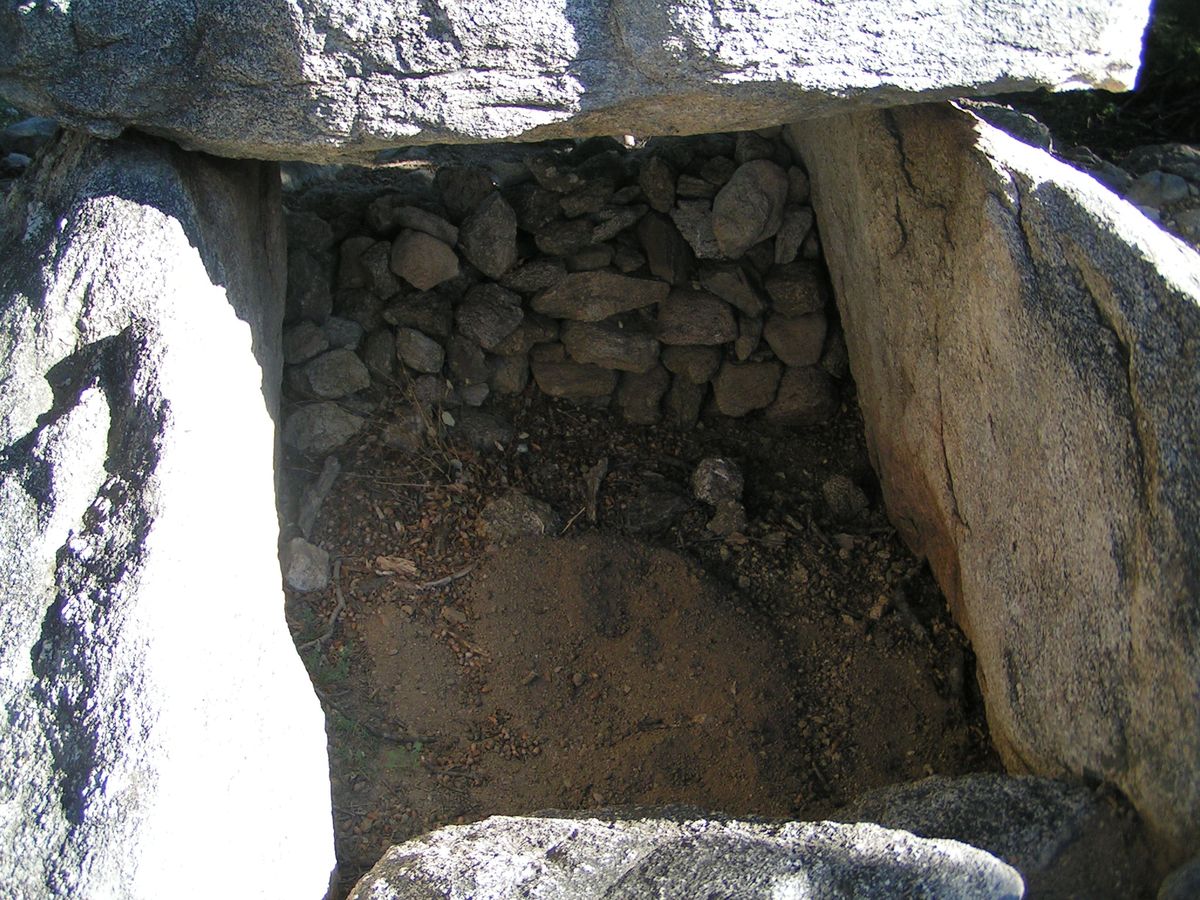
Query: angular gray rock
463	188
388	214
694	219
592	296
844	499
336	373
741	388
422	260
303	341
797	222
316	429
612	344
419	351
534	329
1064	839
749	208
342	332
716	478
535	275
428	311
337	82
488	236
689	316
488	314
307	566
141	309
466	361
641	855
510	374
379	353
1044	366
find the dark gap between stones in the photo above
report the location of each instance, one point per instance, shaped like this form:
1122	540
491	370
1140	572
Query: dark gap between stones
516	574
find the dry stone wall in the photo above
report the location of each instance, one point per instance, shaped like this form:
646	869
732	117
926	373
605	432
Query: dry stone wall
684	273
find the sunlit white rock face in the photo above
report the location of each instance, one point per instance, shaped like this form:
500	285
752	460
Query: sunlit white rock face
161	737
325	80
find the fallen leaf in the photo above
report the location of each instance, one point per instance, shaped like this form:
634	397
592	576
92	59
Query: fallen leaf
395	565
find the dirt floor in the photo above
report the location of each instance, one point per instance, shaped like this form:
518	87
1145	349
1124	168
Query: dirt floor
634	660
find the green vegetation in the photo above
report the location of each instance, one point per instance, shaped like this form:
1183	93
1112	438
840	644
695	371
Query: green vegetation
1164	107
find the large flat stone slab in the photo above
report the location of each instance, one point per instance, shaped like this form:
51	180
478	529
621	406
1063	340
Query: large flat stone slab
647	853
161	737
1026	347
327	80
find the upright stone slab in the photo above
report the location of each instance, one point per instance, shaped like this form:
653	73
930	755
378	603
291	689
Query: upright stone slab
1027	353
326	80
161	737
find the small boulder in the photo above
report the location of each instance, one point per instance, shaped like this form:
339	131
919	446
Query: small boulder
336	373
419	351
488	314
488	236
307	566
317	429
749	208
689	316
741	388
422	260
517	515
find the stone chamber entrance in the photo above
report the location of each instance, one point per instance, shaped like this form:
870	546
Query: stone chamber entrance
577	508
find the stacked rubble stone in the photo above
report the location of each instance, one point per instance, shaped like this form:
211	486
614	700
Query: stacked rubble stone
684	272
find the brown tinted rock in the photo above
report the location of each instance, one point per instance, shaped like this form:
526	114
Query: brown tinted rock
462	188
488	314
592	296
694	220
667	253
422	260
534	329
535	275
316	429
750	329
797	289
597	256
696	364
419	351
718	170
612	221
741	388
752	146
628	258
807	396
612	344
689	187
732	283
488	236
799	189
1038	444
573	381
681	406
797	222
658	184
428	311
688	316
749	208
797	341
640	395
